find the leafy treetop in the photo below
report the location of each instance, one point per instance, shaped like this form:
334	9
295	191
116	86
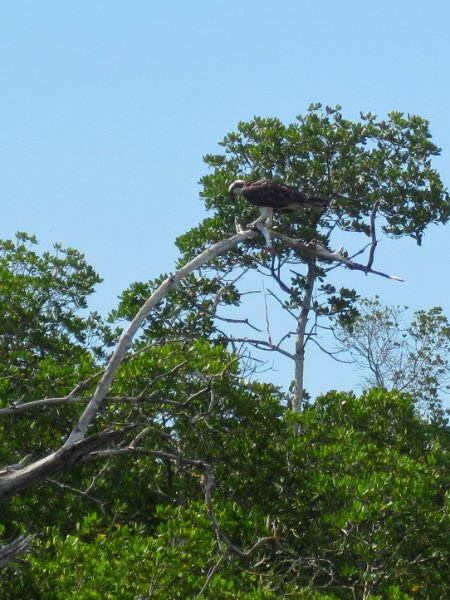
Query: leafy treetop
353	163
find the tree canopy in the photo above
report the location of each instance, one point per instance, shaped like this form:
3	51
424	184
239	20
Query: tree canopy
396	355
144	455
373	170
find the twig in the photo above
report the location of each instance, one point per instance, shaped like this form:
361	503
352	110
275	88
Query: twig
280	282
176	458
261	344
74	490
163	375
225	287
331	354
83	385
266	312
17	408
300	341
210	575
213	313
96	476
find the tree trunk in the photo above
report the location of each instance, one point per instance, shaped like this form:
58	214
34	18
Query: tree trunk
300	341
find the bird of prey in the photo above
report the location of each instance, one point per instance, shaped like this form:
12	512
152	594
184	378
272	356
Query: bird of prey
270	196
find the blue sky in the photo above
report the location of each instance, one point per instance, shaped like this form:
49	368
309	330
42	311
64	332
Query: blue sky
107	107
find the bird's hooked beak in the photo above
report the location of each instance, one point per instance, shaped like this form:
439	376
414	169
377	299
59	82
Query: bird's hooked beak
234	189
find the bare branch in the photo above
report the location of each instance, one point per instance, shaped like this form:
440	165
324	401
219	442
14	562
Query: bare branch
126	339
261	344
226	287
10	552
276	276
176	458
64	486
331	353
213	313
14	481
316	249
282	304
266	311
83	385
163	375
18	408
210	575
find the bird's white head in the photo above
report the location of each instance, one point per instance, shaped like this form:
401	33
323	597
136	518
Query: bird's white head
236	187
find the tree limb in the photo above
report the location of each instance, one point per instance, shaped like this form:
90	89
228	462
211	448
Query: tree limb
13	481
300	341
261	344
315	248
9	552
124	344
372	233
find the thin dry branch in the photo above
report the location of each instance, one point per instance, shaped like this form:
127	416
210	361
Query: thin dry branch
213	313
300	341
211	574
179	460
74	490
316	249
83	385
276	276
33	404
261	344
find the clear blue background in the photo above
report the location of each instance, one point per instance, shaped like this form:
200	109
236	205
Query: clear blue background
107	107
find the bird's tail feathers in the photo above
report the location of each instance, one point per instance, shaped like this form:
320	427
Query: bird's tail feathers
320	203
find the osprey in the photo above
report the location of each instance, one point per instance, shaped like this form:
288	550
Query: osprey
271	196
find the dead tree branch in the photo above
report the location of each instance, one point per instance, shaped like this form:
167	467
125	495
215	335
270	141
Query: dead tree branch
124	344
261	344
10	552
13	481
316	249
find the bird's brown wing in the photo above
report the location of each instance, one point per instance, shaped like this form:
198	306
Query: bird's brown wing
280	197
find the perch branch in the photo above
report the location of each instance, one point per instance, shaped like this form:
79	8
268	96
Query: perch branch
315	248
